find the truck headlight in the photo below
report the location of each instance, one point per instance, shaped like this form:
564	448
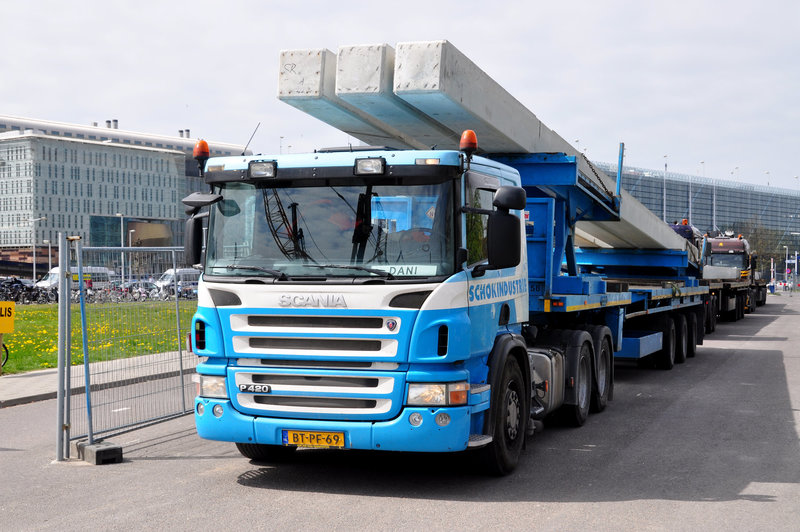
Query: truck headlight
371	166
261	169
437	394
210	386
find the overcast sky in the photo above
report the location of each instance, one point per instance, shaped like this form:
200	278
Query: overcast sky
710	81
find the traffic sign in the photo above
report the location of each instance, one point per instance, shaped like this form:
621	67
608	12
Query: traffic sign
7	312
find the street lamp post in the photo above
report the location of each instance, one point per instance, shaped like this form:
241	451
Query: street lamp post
130	265
664	199
49	255
121	245
786	267
714	205
33	241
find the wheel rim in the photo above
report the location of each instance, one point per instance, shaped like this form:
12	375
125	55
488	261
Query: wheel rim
512	414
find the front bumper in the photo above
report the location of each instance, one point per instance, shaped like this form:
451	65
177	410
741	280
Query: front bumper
394	435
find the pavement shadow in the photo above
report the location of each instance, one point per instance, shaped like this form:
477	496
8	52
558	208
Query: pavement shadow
676	435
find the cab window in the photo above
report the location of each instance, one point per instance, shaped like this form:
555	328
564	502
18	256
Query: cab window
480	194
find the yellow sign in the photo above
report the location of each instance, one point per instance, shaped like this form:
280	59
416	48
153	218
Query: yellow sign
6	317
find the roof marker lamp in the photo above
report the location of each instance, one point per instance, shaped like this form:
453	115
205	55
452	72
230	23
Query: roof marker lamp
371	166
201	154
262	169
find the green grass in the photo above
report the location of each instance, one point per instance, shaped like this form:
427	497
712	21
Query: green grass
115	331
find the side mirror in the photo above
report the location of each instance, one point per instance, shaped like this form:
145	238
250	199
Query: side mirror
193	240
510	198
503	236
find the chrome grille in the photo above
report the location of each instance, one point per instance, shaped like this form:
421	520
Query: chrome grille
311	365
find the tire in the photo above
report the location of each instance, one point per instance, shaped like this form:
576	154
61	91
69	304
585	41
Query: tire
713	314
700	319
265	453
511	413
665	359
694	332
603	381
576	414
681	338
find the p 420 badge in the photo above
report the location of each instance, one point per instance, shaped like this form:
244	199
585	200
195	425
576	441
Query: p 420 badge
254	388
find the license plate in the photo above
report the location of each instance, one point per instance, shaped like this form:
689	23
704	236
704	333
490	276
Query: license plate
304	438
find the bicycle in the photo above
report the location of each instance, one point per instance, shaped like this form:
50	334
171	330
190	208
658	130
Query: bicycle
4	355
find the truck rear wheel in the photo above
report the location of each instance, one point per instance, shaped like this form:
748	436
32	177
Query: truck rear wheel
510	412
603	369
576	414
265	453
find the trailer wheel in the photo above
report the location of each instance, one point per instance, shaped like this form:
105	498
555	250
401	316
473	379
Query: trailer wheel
681	338
603	381
694	334
511	413
666	357
265	453
700	320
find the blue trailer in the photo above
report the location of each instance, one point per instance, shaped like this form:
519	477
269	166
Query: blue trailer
417	300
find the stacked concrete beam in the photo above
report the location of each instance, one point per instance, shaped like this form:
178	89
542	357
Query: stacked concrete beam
425	94
307	81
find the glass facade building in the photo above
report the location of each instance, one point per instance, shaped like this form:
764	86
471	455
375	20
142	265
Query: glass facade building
87	188
768	216
106	185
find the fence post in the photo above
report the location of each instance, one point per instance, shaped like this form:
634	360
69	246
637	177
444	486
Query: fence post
87	377
178	329
63	338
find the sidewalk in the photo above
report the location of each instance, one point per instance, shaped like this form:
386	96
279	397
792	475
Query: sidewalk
22	388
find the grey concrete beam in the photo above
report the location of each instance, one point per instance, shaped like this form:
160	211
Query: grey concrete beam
307	81
365	80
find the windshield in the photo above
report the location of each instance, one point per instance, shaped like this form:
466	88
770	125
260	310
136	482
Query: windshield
737	260
391	231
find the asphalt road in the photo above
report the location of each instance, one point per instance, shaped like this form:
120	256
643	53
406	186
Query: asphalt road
710	445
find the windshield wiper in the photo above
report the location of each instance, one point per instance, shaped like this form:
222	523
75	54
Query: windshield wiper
376	271
275	273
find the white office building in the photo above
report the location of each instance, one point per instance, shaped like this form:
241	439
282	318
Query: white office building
100	183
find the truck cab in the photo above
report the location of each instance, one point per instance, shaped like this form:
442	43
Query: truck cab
352	298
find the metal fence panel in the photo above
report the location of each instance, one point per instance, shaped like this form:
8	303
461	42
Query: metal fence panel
131	320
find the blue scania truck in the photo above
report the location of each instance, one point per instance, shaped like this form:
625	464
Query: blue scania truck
417	300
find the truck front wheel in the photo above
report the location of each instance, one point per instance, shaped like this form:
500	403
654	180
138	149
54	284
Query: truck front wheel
511	412
265	453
